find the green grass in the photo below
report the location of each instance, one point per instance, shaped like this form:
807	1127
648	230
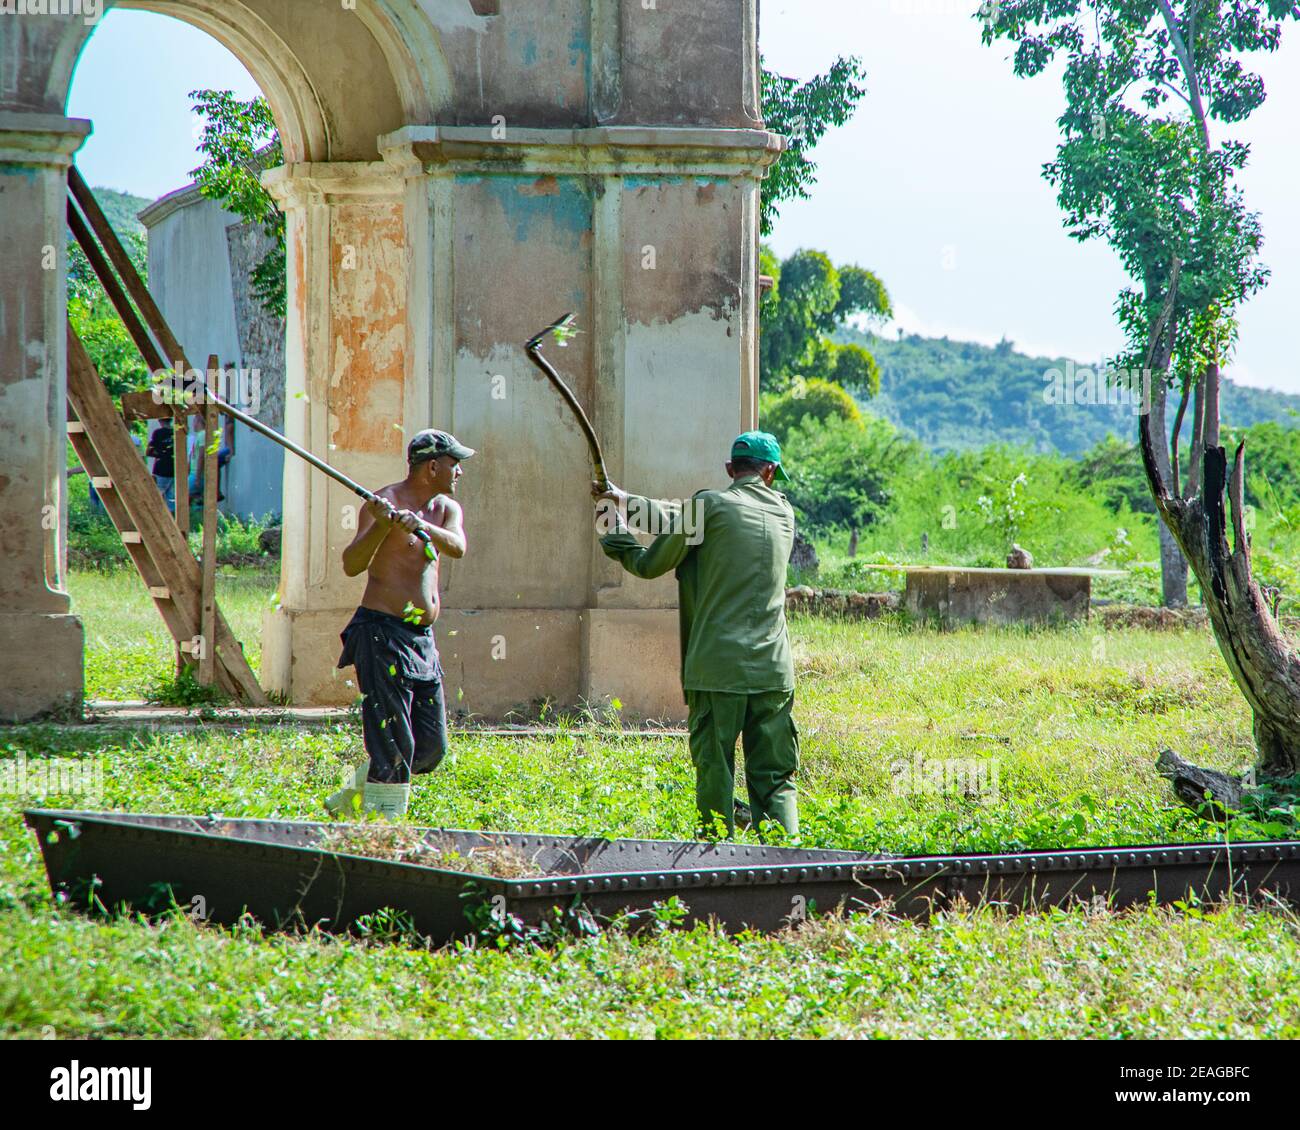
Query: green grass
1072	719
128	650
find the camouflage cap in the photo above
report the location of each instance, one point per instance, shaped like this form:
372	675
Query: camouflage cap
431	443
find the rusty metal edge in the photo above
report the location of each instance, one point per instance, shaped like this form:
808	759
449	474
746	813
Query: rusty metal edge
853	866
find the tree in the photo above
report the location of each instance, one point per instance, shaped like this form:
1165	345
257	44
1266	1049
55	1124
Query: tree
91	314
802	113
810	300
840	470
239	142
816	399
1137	166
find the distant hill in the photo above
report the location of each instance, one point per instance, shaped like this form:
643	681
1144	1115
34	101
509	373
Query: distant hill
121	209
954	395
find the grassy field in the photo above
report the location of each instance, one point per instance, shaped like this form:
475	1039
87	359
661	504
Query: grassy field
1065	725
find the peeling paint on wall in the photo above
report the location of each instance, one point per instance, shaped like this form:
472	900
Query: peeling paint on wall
368	328
565	212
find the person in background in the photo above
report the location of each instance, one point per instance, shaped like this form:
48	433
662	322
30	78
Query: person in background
162	451
198	449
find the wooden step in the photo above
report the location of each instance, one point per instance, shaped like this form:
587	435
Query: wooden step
131	537
160	592
76	428
101	482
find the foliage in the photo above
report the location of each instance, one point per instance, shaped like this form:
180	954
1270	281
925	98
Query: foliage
182	688
815	399
1137	167
113	353
965	507
1113	469
239	141
91	314
840	469
956	395
94	543
810	301
802	113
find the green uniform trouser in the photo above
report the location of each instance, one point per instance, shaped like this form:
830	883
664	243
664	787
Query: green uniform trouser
771	744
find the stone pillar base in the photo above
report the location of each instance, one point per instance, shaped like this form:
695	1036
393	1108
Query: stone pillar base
500	660
42	672
634	655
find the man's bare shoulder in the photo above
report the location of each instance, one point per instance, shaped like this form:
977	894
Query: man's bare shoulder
445	507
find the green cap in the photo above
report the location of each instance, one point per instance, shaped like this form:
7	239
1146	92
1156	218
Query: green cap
761	446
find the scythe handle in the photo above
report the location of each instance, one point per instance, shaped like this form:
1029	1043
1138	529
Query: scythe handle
533	347
302	453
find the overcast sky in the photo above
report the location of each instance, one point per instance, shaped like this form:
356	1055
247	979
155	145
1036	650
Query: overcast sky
935	184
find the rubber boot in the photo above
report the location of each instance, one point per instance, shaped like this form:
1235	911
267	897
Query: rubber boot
347	801
387	800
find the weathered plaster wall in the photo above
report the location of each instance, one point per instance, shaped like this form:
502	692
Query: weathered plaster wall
40	641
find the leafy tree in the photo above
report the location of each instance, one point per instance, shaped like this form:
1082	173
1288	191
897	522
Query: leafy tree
1138	167
802	113
116	358
1113	469
840	470
816	399
810	301
240	141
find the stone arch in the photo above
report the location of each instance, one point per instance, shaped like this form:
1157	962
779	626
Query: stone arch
299	115
392	53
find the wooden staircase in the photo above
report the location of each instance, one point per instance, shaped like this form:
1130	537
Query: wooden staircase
182	590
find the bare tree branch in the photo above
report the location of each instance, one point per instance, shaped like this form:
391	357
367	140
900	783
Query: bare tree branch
1189	70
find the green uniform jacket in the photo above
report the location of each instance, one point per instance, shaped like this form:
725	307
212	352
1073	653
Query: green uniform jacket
731	583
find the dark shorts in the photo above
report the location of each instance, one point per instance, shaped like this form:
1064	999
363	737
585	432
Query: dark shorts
403	712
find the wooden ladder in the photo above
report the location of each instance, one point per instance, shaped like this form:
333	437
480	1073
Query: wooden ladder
158	549
181	590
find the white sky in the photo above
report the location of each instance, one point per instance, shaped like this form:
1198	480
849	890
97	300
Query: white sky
935	184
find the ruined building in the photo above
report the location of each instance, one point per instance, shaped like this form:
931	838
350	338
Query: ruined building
458	173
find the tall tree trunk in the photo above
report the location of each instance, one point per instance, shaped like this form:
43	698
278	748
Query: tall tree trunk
1263	663
1173	570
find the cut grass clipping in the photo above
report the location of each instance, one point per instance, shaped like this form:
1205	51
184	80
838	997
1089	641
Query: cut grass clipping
428	849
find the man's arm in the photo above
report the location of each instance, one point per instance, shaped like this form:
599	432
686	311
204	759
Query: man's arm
449	538
376	522
661	556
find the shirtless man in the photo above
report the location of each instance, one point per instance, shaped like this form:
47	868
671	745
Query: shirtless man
390	638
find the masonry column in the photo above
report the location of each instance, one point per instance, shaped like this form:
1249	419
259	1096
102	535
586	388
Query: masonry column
344	396
40	641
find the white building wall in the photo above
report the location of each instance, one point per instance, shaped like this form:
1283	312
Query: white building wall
190	278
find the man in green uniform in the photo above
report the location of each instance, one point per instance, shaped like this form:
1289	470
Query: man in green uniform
729	548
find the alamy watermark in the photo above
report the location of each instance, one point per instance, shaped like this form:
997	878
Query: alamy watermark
654	517
974	777
239	387
1109	386
91	11
50	776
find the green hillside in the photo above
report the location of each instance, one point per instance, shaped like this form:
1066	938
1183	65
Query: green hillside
959	395
121	209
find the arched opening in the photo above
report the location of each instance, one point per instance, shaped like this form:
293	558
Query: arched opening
322	123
